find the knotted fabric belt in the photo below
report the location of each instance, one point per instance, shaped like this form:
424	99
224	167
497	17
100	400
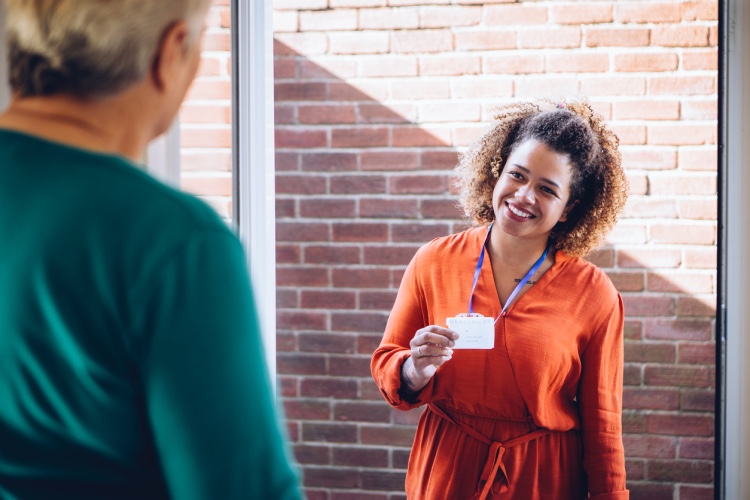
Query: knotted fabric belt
494	477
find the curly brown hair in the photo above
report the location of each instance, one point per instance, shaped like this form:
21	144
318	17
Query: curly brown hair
598	183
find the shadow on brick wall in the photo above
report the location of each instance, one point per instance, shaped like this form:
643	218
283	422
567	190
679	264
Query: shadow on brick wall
362	183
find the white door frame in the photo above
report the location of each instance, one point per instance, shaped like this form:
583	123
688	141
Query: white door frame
733	313
253	156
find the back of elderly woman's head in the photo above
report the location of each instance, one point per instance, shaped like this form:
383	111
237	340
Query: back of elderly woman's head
90	48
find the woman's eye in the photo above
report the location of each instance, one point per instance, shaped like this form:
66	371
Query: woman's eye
548	191
515	175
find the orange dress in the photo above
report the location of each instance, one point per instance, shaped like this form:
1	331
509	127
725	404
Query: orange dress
538	416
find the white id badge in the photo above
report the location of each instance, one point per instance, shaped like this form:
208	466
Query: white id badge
474	332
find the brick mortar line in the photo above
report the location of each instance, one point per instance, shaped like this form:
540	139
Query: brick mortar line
648	99
353	81
481	21
623	222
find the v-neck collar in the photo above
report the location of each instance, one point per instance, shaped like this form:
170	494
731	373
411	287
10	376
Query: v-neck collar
489	277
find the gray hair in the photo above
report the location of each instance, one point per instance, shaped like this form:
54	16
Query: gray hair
90	48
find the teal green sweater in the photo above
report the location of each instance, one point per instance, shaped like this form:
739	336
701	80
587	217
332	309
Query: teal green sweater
131	363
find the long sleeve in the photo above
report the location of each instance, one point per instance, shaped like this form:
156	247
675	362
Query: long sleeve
600	406
209	405
407	316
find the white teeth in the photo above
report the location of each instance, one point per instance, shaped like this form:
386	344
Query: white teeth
519	213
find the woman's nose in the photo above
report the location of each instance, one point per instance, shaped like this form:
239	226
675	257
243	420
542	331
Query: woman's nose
525	193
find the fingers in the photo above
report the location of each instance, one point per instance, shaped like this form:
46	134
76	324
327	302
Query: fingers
432	346
426	358
431	351
436	335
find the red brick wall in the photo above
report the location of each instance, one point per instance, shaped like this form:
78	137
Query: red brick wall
374	99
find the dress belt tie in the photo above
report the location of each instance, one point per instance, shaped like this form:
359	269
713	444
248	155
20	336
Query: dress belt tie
494	477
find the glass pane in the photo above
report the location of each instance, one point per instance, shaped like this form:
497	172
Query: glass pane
376	99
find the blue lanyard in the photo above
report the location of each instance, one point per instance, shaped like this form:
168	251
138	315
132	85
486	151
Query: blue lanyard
520	285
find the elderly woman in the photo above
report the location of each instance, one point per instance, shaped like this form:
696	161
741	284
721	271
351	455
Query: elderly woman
510	338
130	357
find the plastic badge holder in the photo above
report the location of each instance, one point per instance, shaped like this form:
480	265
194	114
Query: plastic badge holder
474	331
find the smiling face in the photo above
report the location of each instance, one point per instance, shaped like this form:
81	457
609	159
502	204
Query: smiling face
531	196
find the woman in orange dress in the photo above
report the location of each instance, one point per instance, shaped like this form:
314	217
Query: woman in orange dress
526	401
